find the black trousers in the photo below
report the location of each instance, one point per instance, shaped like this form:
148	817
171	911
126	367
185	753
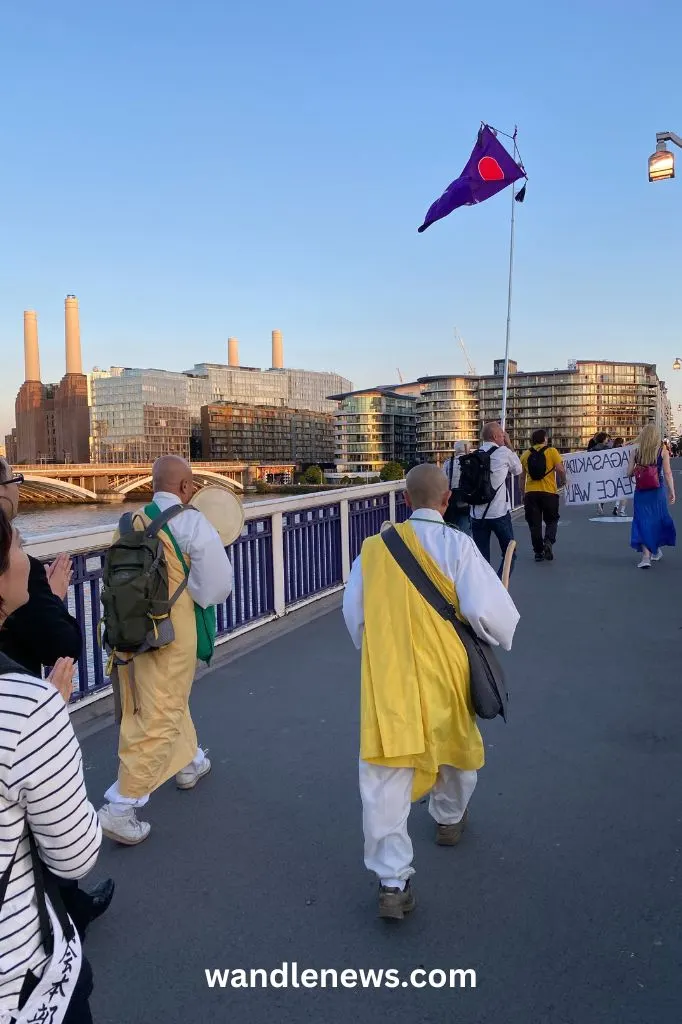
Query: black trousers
541	507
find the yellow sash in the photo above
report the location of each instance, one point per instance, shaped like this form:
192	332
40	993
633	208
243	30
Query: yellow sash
416	709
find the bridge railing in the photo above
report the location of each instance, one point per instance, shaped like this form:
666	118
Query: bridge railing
290	552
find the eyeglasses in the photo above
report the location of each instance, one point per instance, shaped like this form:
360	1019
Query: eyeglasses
18	478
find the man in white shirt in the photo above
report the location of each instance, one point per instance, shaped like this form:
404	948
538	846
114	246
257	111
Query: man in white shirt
495	517
457	513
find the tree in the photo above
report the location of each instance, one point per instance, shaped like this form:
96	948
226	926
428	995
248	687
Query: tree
313	475
392	471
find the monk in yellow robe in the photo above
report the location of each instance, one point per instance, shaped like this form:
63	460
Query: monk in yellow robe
157	739
418	728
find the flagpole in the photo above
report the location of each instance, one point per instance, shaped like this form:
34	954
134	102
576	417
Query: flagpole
505	381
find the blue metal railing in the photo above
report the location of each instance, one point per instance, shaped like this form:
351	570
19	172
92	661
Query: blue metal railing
366	516
313	557
402	509
252	598
312	552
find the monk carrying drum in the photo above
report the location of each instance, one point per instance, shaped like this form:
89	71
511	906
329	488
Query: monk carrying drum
163	576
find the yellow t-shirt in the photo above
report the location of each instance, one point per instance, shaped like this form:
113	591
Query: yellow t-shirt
548	483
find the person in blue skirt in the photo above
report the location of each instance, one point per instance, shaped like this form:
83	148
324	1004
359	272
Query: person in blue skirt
652	525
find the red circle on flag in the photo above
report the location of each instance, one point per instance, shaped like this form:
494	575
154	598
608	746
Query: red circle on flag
489	169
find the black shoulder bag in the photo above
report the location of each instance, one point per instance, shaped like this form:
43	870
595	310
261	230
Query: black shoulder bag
488	688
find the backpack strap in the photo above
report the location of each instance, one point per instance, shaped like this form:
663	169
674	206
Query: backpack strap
489	452
160	522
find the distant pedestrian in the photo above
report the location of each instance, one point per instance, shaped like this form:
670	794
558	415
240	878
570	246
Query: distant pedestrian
494	516
652	525
619	507
599	443
544	473
457	512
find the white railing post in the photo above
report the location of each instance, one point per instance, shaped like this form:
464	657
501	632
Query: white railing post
277	525
345	539
391	506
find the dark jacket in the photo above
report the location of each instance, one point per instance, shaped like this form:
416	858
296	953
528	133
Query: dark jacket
42	630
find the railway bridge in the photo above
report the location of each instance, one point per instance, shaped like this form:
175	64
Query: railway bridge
114	483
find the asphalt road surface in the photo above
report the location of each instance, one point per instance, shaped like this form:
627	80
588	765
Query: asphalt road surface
564	896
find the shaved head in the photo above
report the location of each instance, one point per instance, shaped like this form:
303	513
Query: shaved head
427	487
493	432
173	474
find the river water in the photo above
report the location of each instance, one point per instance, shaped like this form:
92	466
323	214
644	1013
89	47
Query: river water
37	520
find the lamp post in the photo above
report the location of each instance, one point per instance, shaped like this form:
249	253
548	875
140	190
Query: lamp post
662	162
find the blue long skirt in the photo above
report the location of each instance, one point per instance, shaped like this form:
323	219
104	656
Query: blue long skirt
652	526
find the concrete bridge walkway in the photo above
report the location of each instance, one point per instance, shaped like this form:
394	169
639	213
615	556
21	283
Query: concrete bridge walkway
564	895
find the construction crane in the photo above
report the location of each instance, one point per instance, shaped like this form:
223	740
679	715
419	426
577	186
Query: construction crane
460	340
400	376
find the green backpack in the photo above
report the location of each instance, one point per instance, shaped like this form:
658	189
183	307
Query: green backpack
135	594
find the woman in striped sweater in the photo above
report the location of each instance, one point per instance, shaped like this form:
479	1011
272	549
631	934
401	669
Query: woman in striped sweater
45	819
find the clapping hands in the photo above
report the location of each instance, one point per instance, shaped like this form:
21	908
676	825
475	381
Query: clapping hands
61	677
59	575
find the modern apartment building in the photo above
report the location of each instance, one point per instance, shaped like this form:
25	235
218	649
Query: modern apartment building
572	404
373	427
575	403
137	414
447	411
234	431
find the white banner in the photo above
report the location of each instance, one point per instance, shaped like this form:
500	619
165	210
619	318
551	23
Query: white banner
598	476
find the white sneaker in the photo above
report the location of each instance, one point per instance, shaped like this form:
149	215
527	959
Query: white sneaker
123	828
658	556
645	562
189	776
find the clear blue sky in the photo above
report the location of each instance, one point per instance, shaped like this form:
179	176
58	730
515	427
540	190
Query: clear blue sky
193	171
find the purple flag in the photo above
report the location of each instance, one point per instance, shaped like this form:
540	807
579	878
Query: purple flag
489	169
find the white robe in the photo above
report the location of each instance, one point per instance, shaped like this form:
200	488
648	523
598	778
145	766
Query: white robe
210	574
483	599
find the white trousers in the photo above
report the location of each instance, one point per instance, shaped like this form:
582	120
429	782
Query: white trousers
386	800
120	803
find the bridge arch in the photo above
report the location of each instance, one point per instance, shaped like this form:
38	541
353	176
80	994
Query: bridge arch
46	489
203	477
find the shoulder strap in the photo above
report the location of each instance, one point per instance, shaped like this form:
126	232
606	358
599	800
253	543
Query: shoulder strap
161	519
160	522
452	468
43	881
418	578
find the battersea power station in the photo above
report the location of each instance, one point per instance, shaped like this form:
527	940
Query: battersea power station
53	420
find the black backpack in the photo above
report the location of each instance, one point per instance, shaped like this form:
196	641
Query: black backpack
475	484
536	463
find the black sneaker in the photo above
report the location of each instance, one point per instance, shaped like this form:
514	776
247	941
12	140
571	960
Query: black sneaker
548	551
539	557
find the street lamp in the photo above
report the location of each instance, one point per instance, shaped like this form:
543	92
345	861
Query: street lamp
662	162
677	365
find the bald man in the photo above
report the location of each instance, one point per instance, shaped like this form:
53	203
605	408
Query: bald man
157	739
418	731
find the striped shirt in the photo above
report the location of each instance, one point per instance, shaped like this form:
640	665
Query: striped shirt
41	783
